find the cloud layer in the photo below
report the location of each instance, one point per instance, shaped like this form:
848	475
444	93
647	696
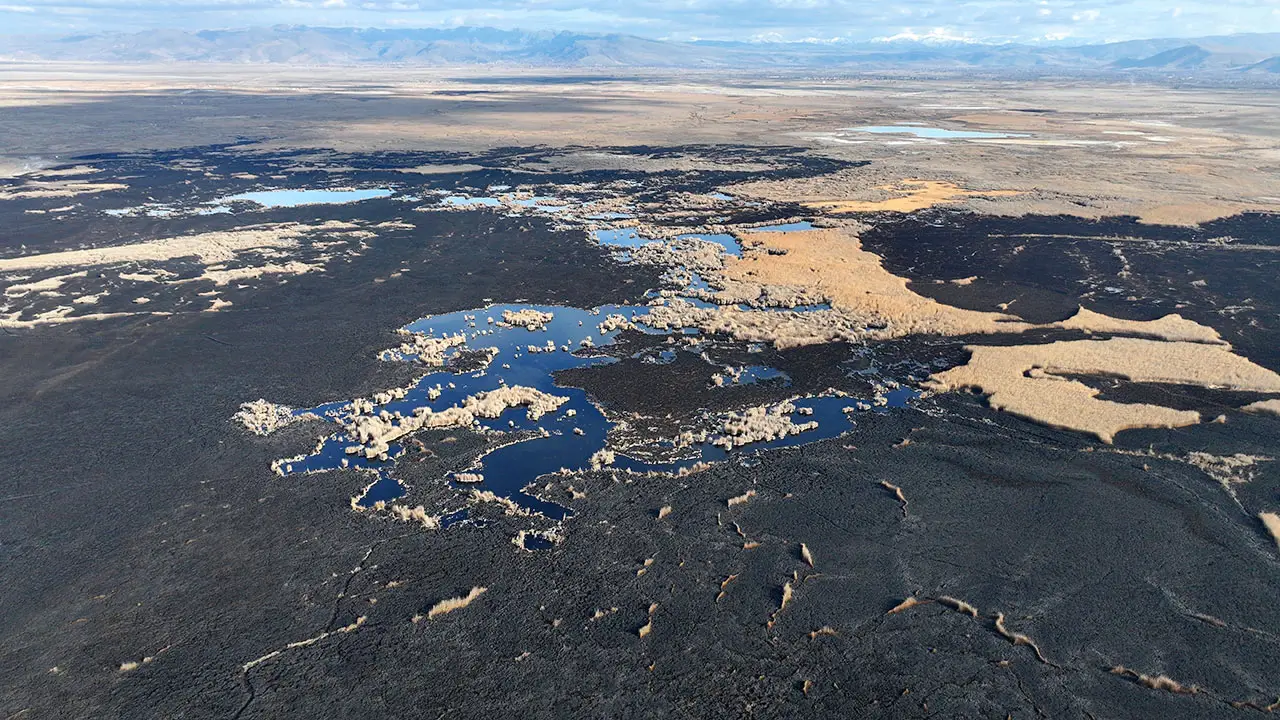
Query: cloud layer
941	20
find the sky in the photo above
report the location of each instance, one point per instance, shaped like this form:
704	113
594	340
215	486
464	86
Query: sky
1036	21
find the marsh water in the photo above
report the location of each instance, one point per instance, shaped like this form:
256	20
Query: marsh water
567	438
266	199
303	196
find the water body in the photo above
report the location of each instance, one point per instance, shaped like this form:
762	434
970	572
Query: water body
622	238
572	434
265	198
541	202
933	133
568	436
756	374
509	469
146	210
728	242
661	357
160	210
464	201
630	239
786	227
295	198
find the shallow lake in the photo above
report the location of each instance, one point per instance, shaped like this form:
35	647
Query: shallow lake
933	133
295	198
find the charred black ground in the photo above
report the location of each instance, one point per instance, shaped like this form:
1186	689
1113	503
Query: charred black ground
138	522
1220	274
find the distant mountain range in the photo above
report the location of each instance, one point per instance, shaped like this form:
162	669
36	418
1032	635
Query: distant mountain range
1246	54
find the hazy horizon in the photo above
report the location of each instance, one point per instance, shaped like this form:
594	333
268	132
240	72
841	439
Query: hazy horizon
992	21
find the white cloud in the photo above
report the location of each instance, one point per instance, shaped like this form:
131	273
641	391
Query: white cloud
935	35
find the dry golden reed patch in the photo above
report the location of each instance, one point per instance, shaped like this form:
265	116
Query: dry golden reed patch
958	605
724	585
824	631
1271	522
1264	406
1173	327
788	592
907	604
208	248
1025	380
908	195
58	188
647	628
1155	682
1018	638
448	605
897	493
1030	380
832	264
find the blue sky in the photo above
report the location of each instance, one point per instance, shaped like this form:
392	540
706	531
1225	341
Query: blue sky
978	20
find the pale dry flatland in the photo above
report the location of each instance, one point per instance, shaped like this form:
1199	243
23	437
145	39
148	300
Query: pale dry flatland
1093	148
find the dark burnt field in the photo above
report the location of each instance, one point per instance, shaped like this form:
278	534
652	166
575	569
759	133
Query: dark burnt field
1221	274
156	567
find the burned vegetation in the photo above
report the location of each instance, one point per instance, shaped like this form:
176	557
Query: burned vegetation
581	418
